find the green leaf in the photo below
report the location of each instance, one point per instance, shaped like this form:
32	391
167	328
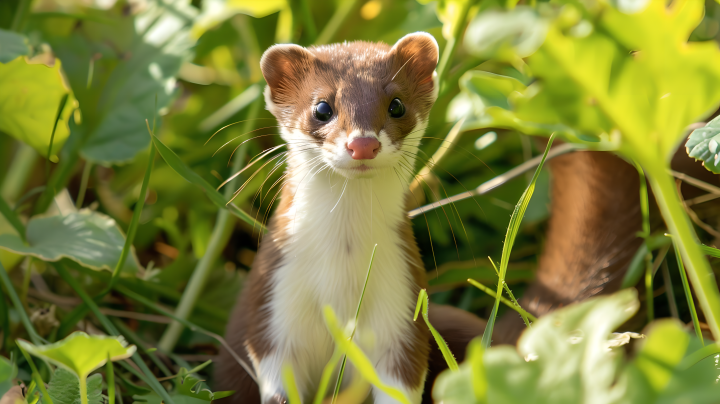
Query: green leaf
506	36
191	176
116	65
12	45
660	365
29	104
422	304
703	145
64	388
80	353
191	386
89	238
8	372
468	384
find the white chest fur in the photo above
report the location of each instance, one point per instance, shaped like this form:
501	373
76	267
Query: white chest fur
331	230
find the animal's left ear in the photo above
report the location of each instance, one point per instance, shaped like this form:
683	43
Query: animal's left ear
417	56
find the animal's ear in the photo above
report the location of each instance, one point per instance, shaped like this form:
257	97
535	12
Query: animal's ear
417	55
283	66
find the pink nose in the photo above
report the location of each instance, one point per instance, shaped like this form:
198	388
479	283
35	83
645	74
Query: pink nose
363	148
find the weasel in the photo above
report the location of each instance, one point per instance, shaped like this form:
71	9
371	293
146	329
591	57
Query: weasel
352	116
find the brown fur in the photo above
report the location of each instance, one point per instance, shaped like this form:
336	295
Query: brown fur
591	235
358	80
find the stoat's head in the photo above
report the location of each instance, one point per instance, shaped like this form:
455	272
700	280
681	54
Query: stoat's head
360	107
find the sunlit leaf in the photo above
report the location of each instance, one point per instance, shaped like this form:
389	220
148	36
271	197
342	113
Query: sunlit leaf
215	11
90	238
29	101
448	12
80	353
117	66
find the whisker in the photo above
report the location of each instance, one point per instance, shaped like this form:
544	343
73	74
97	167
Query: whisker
341	195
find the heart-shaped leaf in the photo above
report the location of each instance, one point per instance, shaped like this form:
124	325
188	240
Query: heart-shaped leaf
89	238
80	353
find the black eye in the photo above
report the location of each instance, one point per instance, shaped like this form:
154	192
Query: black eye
397	109
323	111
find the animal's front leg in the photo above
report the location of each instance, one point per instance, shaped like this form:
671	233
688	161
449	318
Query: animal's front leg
271	388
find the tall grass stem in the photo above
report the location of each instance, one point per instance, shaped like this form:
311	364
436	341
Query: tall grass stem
224	224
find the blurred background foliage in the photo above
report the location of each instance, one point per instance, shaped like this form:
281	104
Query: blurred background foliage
88	73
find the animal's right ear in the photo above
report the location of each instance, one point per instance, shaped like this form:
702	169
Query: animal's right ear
283	66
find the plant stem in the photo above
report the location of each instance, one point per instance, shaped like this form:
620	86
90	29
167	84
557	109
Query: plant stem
5	279
20	14
452	43
83	184
508	303
224	224
336	21
699	271
670	291
18	172
83	390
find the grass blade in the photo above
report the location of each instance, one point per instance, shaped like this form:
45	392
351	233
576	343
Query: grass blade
361	362
523	313
713	252
34	337
110	328
288	378
58	115
508	303
326	374
512	231
191	176
688	293
422	304
36	375
110	379
12	218
357	314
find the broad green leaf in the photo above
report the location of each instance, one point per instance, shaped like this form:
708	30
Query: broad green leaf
64	388
8	372
89	238
117	67
12	45
29	101
591	88
468	384
191	176
506	36
80	353
357	357
703	145
660	364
